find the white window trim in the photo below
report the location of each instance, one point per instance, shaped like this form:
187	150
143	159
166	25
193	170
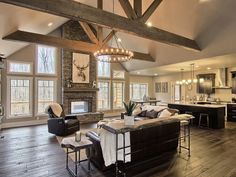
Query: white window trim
9	97
19	73
109	96
138	83
36	93
36	62
117	81
117	78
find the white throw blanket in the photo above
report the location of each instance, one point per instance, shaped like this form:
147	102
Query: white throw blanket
56	108
108	145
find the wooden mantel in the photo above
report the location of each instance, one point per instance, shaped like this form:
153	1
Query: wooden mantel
69	90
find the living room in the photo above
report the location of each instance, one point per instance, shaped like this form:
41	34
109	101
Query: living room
118	88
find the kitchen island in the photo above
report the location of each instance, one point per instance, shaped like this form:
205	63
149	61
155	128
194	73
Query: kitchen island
216	112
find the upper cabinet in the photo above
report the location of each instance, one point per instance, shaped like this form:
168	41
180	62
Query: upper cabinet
234	82
206	83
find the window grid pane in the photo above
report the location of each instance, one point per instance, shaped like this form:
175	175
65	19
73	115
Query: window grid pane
103	69
118	95
103	95
45	94
137	91
46	60
19	67
20	97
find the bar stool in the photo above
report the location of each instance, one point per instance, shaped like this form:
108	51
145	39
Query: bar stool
191	113
202	116
185	126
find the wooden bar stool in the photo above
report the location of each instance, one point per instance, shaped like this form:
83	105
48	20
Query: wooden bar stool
202	116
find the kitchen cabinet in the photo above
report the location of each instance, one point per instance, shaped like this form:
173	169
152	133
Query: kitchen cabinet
231	112
234	82
206	83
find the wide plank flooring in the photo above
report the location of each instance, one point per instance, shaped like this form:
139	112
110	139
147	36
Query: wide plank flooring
33	152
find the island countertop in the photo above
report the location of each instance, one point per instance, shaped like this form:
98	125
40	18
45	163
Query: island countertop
216	113
201	105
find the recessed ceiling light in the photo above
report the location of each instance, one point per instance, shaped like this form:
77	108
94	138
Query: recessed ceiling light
208	68
119	39
155	74
149	24
138	72
50	24
202	1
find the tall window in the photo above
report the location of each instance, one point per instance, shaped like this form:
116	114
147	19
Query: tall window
20	89
118	94
46	63
103	95
46	94
138	90
103	69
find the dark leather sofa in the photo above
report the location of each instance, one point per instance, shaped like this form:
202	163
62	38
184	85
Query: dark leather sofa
63	125
146	143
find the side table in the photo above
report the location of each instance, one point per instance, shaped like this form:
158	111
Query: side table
75	147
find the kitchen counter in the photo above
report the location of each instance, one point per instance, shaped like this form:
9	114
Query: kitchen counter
202	105
216	112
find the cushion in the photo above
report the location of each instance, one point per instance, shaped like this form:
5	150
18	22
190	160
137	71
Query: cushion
155	108
137	111
164	113
173	111
151	114
142	114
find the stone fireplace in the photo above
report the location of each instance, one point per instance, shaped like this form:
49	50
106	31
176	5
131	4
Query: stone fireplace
72	96
76	93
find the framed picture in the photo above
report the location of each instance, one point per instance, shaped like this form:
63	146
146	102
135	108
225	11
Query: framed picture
164	86
80	68
158	87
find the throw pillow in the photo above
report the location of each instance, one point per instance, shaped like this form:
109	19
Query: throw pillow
151	114
137	111
143	113
164	113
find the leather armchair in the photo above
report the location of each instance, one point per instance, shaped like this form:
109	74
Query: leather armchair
63	125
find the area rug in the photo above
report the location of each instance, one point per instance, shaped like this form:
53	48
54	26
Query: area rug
82	152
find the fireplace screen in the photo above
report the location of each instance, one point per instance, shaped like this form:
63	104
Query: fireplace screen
79	107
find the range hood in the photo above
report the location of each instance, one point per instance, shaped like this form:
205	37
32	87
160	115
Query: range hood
222	79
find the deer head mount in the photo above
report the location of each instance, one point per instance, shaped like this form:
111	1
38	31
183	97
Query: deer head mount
81	70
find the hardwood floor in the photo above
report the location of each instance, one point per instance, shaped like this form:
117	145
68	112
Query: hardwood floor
33	152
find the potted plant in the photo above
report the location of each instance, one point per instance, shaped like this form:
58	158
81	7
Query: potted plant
128	118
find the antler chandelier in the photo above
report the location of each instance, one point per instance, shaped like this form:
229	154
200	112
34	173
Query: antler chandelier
114	55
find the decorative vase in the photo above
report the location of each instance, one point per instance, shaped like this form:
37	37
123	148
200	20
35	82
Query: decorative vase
129	120
78	136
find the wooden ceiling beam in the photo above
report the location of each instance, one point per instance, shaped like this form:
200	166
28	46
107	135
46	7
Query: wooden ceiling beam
87	29
138	7
129	11
78	46
147	14
35	38
109	37
81	12
99	28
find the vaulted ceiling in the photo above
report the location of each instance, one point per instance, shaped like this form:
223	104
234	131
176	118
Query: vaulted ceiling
212	23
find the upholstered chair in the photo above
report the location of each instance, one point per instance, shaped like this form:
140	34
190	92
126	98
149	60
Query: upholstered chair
59	123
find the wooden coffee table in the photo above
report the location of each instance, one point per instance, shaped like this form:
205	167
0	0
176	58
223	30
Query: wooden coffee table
75	147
